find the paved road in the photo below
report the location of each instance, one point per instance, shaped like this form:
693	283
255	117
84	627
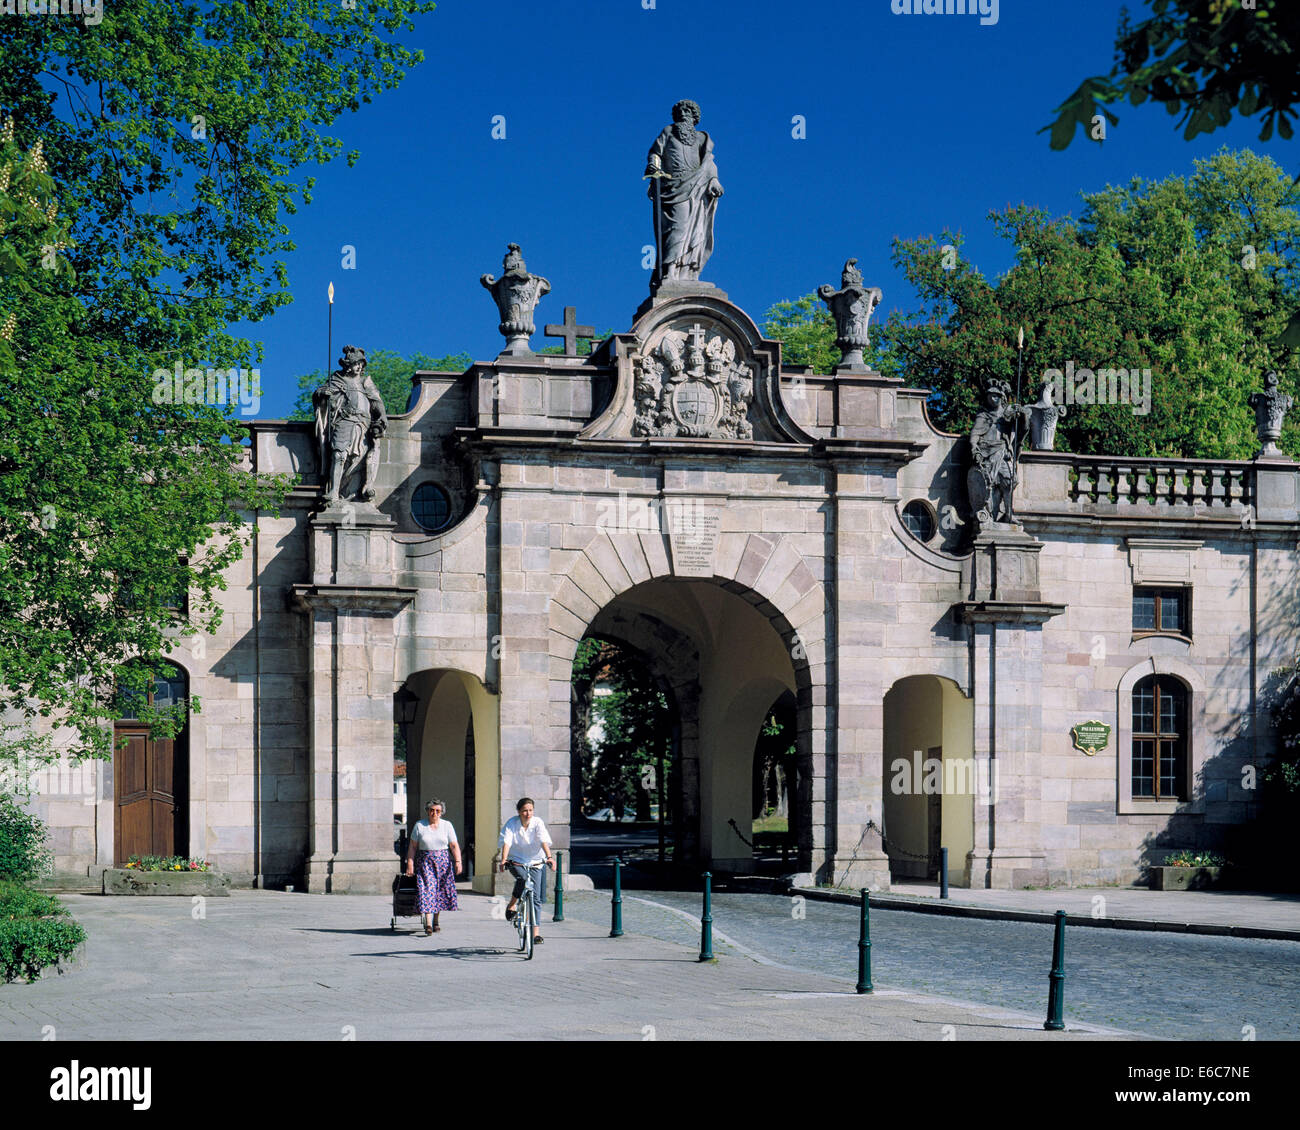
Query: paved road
1170	986
270	965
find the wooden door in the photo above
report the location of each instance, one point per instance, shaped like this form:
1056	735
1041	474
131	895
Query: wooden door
148	786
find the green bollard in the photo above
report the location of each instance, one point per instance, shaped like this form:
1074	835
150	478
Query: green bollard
558	916
1056	979
706	922
616	906
864	948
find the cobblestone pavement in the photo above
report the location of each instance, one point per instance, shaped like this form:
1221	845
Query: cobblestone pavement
1169	986
270	965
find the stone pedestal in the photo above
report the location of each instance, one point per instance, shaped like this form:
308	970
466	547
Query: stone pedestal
351	605
678	288
1006	615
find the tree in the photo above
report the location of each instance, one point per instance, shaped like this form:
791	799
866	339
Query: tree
391	373
1205	59
1192	278
618	698
148	175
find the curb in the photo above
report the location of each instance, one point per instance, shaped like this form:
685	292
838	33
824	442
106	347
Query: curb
958	910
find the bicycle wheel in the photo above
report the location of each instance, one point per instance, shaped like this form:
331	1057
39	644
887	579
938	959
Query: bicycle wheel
529	920
521	919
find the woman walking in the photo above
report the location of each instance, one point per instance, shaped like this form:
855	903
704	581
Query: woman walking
429	857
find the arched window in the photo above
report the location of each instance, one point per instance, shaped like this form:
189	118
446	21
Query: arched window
1159	763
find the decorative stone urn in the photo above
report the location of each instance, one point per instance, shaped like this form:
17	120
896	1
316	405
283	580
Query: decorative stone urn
851	306
1271	407
1043	418
516	293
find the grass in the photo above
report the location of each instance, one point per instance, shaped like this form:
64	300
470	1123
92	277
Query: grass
772	823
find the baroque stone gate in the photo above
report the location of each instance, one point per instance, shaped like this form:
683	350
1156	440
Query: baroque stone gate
752	530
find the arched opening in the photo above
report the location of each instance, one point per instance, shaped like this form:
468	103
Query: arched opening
775	759
151	774
723	669
625	744
931	779
452	753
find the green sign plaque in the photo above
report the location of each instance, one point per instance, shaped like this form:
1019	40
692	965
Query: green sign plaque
1090	736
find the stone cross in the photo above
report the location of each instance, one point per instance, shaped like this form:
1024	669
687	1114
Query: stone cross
570	331
697	333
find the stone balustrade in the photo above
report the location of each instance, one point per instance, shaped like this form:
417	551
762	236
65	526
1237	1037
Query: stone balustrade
1060	483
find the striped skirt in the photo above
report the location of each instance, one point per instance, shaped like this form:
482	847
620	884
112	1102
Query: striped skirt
435	882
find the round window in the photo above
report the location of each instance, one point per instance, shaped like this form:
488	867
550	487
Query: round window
430	507
919	520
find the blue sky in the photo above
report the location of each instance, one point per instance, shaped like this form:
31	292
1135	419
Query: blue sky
914	123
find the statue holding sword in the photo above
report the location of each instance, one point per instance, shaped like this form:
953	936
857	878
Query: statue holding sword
684	191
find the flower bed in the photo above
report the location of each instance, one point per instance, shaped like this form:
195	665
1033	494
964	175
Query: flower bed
166	863
1188	870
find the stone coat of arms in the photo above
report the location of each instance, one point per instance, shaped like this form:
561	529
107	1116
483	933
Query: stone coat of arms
689	383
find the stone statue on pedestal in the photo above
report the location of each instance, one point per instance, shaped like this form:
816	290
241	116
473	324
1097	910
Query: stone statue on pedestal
516	293
852	306
350	418
995	440
1271	407
1044	416
684	193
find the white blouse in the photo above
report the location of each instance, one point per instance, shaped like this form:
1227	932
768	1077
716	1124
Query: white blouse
428	838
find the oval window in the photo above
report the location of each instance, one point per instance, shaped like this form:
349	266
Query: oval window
919	520
430	507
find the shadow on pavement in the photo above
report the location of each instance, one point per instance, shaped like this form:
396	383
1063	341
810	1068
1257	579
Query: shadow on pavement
459	953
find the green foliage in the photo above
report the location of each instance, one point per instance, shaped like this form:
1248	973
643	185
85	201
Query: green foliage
621	700
1190	277
28	945
1188	858
17	901
23	852
1205	59
806	330
145	186
391	373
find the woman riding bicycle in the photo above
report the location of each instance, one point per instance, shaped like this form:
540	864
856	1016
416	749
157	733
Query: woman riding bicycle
524	842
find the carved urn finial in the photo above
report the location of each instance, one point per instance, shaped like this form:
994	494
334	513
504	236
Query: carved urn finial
1043	418
851	306
1271	407
516	293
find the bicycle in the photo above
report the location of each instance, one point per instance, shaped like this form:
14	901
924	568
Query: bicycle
526	912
